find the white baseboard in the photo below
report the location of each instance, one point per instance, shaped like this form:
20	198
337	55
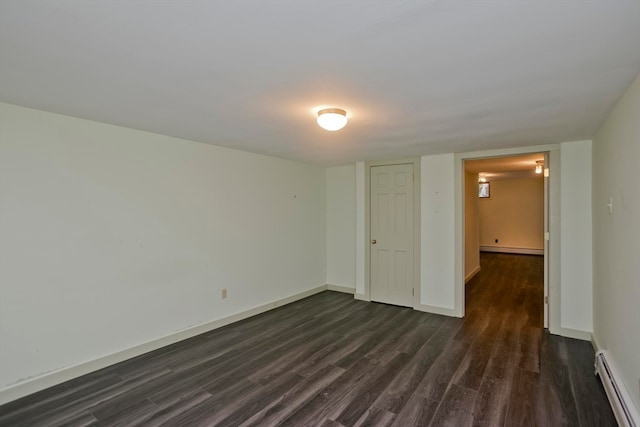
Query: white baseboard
361	297
344	289
473	273
506	250
575	333
437	310
420	307
53	378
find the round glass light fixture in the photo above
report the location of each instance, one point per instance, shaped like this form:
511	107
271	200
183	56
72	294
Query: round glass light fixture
332	118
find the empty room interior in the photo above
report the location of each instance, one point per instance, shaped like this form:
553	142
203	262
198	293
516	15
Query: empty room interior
314	213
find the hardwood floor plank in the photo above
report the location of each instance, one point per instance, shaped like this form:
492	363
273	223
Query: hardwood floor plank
524	400
374	417
134	414
222	372
234	411
415	339
330	423
195	416
333	399
261	357
386	348
362	397
255	402
174	409
289	360
360	317
472	368
530	348
491	404
455	408
435	384
331	353
250	347
380	335
75	419
418	411
381	314
27	408
410	376
280	409
81	398
219	400
502	365
557	391
591	400
173	352
554	350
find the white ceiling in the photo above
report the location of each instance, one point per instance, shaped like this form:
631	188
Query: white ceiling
416	77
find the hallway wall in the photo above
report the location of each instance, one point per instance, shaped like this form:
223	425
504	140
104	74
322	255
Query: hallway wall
513	215
616	237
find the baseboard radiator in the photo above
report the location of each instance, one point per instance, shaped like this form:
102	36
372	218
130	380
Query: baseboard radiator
621	403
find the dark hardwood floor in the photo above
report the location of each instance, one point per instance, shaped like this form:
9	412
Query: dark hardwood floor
329	360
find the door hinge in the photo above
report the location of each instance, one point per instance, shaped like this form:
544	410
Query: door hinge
546	236
546	300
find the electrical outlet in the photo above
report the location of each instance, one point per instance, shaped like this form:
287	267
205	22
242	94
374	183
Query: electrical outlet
224	293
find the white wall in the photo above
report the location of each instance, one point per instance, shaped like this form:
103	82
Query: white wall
616	237
341	226
112	237
471	226
437	272
514	214
576	282
442	273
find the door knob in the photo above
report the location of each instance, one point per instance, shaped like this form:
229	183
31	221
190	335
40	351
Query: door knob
373	242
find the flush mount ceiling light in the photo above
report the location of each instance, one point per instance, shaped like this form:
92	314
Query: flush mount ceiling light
332	118
539	164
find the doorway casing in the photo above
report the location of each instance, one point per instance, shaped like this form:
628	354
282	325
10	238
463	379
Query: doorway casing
552	226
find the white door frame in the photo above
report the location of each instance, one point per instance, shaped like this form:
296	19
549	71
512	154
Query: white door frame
416	225
552	247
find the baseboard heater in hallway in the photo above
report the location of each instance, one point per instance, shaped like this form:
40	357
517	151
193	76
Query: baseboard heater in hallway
626	414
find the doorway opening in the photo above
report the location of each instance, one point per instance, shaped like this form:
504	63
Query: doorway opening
505	221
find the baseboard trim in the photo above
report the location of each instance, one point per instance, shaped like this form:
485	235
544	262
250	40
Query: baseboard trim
343	289
506	250
437	310
575	333
472	274
42	382
361	297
